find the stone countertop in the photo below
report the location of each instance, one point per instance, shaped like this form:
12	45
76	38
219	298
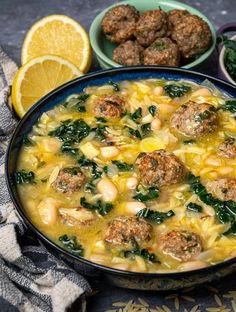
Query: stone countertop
16	16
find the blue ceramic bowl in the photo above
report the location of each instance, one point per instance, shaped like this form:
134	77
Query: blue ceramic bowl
145	281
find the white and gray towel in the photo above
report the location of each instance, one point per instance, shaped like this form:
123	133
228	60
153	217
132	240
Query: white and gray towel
31	278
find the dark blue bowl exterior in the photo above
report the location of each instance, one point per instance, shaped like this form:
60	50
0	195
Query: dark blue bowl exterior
120	278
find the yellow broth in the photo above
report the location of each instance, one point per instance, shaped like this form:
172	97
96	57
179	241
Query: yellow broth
45	159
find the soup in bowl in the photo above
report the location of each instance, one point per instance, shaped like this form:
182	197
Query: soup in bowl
136	175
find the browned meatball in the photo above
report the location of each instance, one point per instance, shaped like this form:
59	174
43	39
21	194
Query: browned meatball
224	189
227	148
119	22
122	229
151	25
176	16
111	106
181	245
162	51
129	53
194	120
69	180
192	35
160	168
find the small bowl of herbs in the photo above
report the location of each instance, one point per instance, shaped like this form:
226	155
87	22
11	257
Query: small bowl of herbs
227	56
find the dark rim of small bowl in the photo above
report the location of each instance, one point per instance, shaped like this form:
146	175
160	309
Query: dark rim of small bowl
27	220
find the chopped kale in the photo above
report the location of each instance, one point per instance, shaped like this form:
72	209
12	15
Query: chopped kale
150	194
152	110
230	106
71	243
22	177
122	166
84	162
137	251
134	133
146	129
101	120
66	148
189	142
115	86
136	115
27	142
174	90
103	208
90	187
230	55
225	210
80	106
194	207
156	217
100	132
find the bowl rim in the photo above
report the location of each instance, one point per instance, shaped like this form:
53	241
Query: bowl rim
222	63
52	244
96	24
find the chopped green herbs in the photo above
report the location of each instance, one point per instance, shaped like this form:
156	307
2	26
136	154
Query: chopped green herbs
136	115
147	195
225	210
101	120
174	90
203	116
230	55
152	110
122	166
134	133
115	86
189	142
146	129
90	187
156	217
231	107
84	162
194	207
103	208
100	132
71	243
27	142
66	148
22	177
137	251
80	106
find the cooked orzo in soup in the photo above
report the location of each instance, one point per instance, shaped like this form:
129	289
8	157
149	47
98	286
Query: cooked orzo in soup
138	176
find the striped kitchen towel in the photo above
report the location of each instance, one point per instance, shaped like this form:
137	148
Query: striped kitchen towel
31	278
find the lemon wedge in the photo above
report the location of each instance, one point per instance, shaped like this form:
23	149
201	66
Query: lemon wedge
58	35
38	77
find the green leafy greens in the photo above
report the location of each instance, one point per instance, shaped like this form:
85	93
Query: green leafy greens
230	106
136	115
147	195
225	210
80	106
152	110
122	166
230	55
84	162
174	90
101	207
71	243
22	177
115	86
194	207
156	217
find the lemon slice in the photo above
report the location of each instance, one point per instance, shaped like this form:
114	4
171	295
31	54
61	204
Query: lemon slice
151	144
58	35
38	77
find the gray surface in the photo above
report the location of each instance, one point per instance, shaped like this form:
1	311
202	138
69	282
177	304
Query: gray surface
16	16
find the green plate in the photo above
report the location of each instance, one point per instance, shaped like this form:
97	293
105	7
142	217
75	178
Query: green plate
104	49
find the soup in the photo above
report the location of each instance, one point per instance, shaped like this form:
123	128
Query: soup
137	176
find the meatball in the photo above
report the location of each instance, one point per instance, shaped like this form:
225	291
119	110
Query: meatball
224	189
151	25
175	17
227	148
69	180
111	106
194	120
160	168
192	35
122	229
129	53
181	245
119	22
162	51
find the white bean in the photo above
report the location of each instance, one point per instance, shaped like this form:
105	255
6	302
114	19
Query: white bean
107	189
202	92
47	211
134	207
109	151
192	265
156	124
132	183
158	90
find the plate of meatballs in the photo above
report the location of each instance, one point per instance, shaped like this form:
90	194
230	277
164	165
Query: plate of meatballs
155	33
